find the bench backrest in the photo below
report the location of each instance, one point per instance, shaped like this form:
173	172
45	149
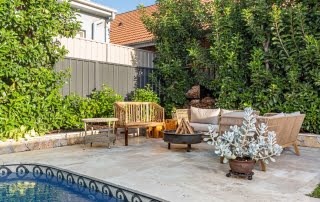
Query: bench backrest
138	112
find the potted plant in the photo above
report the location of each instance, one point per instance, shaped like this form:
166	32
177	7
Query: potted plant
243	146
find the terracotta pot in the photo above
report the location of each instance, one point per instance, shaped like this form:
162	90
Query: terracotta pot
242	166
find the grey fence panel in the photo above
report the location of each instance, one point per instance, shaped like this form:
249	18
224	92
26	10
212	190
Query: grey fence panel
88	75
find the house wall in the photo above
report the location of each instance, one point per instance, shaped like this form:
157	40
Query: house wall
87	21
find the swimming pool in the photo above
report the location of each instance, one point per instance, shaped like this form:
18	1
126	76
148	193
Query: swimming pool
38	182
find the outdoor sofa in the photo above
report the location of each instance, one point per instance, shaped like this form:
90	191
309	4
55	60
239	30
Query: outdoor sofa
221	119
286	126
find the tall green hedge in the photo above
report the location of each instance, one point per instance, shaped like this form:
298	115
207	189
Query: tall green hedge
29	86
264	54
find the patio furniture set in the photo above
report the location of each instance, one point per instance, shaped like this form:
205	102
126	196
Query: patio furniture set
195	120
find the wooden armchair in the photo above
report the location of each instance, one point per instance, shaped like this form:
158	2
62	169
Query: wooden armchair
287	128
138	115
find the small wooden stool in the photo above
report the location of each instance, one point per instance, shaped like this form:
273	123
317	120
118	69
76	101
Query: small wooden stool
154	130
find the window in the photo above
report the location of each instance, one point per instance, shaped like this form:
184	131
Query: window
81	34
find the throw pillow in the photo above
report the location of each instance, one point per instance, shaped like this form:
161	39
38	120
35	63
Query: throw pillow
205	115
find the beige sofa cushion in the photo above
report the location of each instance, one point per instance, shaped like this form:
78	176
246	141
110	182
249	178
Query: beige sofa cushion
278	115
201	127
235	113
225	111
239	114
292	114
207	116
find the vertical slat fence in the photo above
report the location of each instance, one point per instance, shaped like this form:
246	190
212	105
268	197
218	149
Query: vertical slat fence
89	75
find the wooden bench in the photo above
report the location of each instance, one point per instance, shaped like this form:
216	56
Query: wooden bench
138	115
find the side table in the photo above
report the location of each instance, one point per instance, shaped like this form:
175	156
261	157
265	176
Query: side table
103	137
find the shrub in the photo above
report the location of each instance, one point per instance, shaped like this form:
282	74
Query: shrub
29	86
145	95
263	54
99	104
104	101
316	192
76	108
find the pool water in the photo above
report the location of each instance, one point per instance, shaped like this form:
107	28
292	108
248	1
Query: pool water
40	190
39	182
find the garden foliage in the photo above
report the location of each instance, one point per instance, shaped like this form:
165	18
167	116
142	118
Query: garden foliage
29	87
145	95
30	99
264	54
98	104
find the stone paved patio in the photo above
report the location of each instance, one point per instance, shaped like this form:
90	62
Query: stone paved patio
175	175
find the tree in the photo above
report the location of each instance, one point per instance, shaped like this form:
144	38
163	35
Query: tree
29	49
177	27
264	54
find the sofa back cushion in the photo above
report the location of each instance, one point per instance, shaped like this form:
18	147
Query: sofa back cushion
209	116
278	115
292	114
226	111
239	114
235	113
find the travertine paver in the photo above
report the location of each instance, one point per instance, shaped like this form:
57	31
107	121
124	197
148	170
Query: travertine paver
175	175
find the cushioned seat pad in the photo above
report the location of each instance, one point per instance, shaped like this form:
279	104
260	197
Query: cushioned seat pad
203	127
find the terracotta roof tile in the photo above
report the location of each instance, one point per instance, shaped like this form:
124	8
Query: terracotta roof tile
127	28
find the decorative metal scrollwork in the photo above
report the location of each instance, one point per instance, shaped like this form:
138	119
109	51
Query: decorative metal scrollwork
4	172
136	198
121	195
49	174
70	180
81	184
93	187
37	172
60	176
22	171
106	190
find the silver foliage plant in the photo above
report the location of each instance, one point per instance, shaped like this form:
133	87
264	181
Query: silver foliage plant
246	141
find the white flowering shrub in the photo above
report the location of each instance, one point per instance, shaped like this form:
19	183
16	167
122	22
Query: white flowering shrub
246	142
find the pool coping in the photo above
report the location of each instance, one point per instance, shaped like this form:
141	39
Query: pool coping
129	194
74	138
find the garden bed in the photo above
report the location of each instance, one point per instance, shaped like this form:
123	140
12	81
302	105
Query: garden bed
43	142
